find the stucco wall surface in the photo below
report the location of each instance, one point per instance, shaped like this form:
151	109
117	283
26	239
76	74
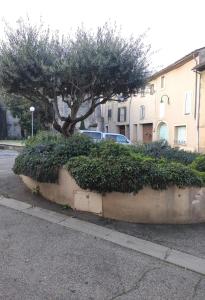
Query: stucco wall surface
169	206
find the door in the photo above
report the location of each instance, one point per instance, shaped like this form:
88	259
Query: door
147	132
163	131
122	129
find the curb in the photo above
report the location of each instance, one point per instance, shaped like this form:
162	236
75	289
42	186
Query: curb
175	257
18	148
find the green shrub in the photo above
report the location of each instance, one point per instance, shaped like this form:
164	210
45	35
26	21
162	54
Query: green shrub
163	174
44	137
121	174
127	174
161	149
199	163
102	167
109	149
42	162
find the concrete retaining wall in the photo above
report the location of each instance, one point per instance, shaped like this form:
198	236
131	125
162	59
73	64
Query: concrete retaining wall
171	206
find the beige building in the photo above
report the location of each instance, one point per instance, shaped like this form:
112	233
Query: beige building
171	107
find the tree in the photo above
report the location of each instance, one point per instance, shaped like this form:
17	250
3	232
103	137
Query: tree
90	68
19	107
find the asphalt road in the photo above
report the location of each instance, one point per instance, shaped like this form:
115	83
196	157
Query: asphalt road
186	238
41	260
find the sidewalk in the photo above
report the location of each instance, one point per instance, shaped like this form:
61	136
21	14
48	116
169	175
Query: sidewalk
54	259
12	142
12	145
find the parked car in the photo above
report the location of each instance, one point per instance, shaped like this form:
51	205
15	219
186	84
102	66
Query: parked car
98	136
95	135
116	137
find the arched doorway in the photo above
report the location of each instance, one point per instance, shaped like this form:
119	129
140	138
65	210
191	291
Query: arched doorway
163	131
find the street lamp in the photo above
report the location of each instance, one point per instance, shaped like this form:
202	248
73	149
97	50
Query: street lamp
32	109
165	98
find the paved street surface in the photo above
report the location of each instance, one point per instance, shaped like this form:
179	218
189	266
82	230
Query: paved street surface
187	238
41	260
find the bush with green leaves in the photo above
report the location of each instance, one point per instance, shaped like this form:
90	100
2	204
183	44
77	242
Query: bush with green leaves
44	137
42	162
127	174
161	149
199	163
122	174
102	167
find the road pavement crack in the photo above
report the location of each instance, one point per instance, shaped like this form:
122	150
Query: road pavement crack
196	288
136	285
167	253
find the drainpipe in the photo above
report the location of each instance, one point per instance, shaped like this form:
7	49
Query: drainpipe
199	105
197	102
130	117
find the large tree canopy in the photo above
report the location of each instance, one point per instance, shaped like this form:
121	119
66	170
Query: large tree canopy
87	68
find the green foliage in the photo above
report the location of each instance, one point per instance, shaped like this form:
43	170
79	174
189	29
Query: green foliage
126	174
20	108
121	174
199	163
42	161
109	149
84	68
161	149
102	167
45	137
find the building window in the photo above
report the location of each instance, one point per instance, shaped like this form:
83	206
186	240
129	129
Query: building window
162	82
142	92
180	135
151	89
142	112
109	114
187	104
122	114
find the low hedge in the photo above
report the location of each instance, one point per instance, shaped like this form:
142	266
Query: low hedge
199	163
45	137
104	166
161	149
42	162
127	174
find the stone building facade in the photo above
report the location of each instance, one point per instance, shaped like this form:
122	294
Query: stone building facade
9	125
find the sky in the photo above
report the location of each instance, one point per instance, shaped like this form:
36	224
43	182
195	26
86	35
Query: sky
174	27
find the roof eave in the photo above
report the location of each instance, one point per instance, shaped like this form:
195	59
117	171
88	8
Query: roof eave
176	64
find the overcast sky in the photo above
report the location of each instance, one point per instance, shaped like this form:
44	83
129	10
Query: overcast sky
176	26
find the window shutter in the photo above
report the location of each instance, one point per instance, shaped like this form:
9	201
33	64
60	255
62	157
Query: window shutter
125	114
188	100
142	112
109	114
118	115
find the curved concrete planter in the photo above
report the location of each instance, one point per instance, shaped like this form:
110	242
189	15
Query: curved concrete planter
170	206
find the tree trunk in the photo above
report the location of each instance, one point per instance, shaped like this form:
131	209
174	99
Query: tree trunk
68	128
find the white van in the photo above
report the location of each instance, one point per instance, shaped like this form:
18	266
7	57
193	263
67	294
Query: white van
98	135
95	135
